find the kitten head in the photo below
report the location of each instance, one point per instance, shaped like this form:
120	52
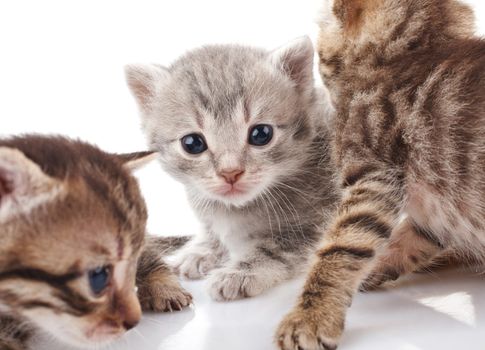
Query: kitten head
72	222
229	121
350	29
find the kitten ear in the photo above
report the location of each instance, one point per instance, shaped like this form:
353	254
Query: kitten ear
143	80
23	184
135	161
295	59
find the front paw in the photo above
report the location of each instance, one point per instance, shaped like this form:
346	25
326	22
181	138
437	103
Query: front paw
194	265
162	294
232	284
303	330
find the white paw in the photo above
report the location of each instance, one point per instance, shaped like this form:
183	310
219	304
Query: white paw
193	264
231	284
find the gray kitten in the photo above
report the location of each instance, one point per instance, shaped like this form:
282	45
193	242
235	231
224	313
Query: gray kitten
244	130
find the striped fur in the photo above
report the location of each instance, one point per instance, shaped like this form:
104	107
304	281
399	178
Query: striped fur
262	235
67	208
408	80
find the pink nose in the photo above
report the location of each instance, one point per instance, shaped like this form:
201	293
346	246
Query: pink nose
232	175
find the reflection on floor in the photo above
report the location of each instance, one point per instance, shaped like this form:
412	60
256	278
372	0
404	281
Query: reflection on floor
425	312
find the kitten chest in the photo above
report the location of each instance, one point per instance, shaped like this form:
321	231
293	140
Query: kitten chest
235	232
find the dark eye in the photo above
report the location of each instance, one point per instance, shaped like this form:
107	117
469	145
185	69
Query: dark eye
260	135
194	144
99	279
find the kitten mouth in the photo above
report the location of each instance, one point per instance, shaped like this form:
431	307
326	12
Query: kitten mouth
101	333
237	194
232	191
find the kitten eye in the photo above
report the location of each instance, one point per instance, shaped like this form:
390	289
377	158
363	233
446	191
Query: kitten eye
99	279
194	144
260	135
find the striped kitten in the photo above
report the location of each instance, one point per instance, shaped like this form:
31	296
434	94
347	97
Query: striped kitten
408	80
72	225
238	127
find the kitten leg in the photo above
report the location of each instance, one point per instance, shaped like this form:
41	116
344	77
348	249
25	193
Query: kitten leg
358	235
13	336
411	248
201	255
262	266
158	288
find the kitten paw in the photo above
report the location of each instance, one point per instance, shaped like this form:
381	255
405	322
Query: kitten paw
299	330
162	295
378	278
230	284
194	265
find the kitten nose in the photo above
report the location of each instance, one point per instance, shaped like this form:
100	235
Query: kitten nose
129	310
231	175
130	324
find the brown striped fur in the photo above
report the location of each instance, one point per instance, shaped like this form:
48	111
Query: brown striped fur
66	208
408	80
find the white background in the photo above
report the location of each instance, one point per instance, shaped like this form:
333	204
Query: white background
61	71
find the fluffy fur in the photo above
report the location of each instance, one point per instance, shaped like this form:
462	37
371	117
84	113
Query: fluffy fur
67	208
408	80
261	235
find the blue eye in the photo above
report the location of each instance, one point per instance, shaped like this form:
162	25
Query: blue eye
260	135
99	279
194	144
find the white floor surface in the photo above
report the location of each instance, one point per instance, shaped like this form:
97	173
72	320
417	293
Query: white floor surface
444	311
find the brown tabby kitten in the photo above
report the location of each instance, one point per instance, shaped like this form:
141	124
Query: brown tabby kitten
408	81
72	226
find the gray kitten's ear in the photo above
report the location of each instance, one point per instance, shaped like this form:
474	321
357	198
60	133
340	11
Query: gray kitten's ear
23	184
143	81
135	161
295	59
